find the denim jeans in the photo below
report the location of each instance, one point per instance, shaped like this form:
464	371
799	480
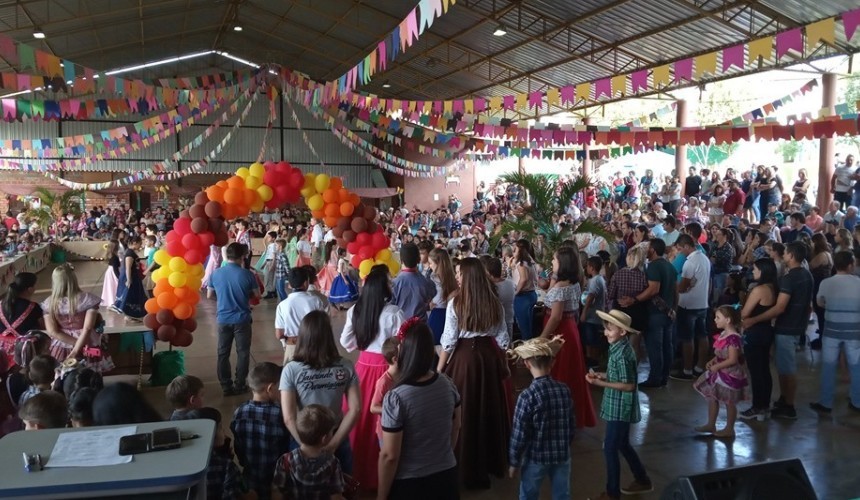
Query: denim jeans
691	324
524	313
617	440
343	453
281	287
658	343
719	284
830	348
241	333
757	353
532	475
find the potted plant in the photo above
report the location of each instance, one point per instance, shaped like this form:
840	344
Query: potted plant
52	209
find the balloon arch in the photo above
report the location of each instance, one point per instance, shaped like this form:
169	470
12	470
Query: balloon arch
172	310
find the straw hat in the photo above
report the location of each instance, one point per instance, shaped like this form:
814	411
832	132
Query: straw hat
538	346
617	318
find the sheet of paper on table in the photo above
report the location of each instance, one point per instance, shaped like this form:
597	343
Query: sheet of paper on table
90	448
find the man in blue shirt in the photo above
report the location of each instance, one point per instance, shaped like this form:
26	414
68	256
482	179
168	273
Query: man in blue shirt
412	291
234	286
797	222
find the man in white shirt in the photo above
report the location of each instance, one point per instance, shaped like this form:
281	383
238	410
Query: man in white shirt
834	214
841	182
692	307
289	314
671	233
317	235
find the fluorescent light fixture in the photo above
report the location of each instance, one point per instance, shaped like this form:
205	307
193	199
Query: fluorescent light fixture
386	85
237	59
159	62
38	33
500	30
237	28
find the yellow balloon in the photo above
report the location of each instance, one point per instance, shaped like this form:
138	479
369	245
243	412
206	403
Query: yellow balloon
310	180
322	182
178	264
161	257
195	270
365	267
308	192
177	280
316	202
265	192
258	205
393	267
157	274
384	255
253	182
257	170
243	172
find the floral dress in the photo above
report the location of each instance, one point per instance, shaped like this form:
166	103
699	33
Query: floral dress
72	323
730	384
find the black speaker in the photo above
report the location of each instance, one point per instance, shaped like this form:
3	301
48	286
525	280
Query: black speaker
776	480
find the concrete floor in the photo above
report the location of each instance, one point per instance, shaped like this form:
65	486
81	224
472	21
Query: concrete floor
828	446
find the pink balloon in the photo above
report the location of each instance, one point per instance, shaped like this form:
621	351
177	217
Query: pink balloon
193	257
366	252
363	239
190	241
182	225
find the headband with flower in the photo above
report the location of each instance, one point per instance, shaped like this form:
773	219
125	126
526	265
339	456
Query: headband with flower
409	323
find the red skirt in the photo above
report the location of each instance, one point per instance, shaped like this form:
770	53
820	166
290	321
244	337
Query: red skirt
365	443
479	369
569	368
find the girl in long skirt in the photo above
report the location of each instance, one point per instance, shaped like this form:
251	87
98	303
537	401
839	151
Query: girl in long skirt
473	345
446	286
111	280
525	280
563	301
131	296
326	276
343	289
369	323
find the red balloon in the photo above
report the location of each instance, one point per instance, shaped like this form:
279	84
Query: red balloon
270	178
221	238
190	241
199	224
358	225
356	261
378	241
182	339
197	211
151	322
172	236
353	247
184	214
166	333
212	209
201	198
366	252
182	225
349	235
164	316
175	248
193	257
206	239
363	239
296	179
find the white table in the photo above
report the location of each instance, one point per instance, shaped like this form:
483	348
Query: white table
149	473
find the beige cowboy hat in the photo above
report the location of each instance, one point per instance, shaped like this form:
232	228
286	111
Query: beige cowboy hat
617	318
538	346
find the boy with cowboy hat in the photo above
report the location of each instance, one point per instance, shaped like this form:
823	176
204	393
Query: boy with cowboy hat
620	407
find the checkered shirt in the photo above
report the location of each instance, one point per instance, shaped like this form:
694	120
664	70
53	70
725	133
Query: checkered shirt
282	266
626	282
544	423
223	479
301	479
619	405
723	257
261	437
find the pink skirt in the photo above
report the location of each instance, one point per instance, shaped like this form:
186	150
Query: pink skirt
365	444
325	278
109	287
303	261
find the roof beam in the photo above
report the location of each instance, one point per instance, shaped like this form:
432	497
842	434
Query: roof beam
123	45
231	13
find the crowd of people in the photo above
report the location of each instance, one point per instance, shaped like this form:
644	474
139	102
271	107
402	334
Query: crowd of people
729	257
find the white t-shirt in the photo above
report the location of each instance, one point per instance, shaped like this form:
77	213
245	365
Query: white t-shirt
291	310
507	290
843	175
329	235
304	247
389	324
697	269
317	235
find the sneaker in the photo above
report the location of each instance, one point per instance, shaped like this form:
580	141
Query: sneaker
785	412
753	414
820	408
780	403
637	488
682	376
227	391
244	389
697	372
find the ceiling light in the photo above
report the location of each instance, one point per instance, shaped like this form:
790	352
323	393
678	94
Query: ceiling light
38	33
500	30
237	28
386	85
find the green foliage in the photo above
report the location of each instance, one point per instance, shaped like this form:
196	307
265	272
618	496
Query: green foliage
850	96
789	150
55	206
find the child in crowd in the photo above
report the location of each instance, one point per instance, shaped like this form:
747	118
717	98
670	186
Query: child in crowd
344	291
310	471
312	284
270	263
185	393
725	379
46	410
259	431
42	373
544	423
223	479
282	269
412	290
620	407
81	407
149	250
389	351
594	300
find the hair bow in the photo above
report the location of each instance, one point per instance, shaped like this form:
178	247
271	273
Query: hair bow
736	307
409	323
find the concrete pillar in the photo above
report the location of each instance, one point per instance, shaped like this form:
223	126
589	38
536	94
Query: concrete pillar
681	163
521	165
586	163
827	147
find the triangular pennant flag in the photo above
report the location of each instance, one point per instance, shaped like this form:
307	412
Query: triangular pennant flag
850	21
706	63
602	87
639	80
660	76
552	95
583	91
619	85
821	31
763	47
26	56
733	56
684	70
788	40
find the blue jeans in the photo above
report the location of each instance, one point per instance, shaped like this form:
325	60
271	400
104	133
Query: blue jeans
617	440
719	284
658	343
281	287
830	348
227	333
532	475
691	324
524	305
343	453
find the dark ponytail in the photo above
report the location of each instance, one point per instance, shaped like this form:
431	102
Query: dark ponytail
22	282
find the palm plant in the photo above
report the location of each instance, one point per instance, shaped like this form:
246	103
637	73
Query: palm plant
55	206
545	198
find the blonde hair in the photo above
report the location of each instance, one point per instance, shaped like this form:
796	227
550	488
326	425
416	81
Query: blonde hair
636	256
64	285
444	271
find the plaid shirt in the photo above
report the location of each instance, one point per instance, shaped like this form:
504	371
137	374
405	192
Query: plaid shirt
299	478
619	405
626	282
261	438
223	479
543	424
282	266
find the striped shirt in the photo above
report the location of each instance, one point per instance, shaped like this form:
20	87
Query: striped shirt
841	295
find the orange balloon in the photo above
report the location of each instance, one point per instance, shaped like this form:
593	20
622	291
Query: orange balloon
183	311
318	214
330	195
331	221
151	306
343	195
250	196
193	299
215	193
236	182
162	286
182	292
354	199
332	210
222	184
167	300
228	212
335	183
241	210
233	196
346	209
